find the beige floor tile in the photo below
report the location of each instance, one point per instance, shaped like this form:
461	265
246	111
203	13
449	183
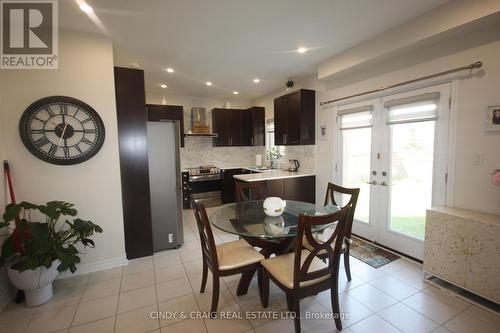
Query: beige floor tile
394	287
352	311
106	325
177	309
64	296
442	329
407	320
366	272
275	326
166	260
431	307
53	320
138	280
187	326
13	311
205	299
107	274
412	277
173	289
137	321
170	273
73	281
254	305
194	267
447	297
373	324
195	281
371	297
138	265
486	316
313	320
253	291
18	325
464	323
220	325
101	289
96	309
137	298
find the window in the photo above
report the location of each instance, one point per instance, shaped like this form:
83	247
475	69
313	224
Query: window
273	152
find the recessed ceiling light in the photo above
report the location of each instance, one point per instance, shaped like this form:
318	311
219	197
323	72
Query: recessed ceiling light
235	93
86	8
163	86
256	80
170	70
301	50
208	83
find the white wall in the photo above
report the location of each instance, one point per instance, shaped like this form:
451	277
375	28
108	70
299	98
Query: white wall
4	282
472	187
199	151
86	73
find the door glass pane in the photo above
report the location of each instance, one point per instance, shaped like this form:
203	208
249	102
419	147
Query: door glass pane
356	167
411	176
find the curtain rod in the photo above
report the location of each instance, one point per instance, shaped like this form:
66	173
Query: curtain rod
477	64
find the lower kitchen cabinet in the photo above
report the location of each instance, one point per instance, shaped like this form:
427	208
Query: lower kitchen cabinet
228	187
301	189
276	188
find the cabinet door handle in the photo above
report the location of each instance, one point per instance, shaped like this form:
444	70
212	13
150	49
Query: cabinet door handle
284	138
252	141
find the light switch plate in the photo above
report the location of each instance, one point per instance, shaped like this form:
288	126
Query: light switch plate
477	159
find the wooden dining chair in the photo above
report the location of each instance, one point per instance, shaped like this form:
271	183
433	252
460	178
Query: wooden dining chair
301	273
250	191
236	257
353	194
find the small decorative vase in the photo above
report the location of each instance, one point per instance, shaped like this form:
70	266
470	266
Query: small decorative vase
37	283
274	225
273	206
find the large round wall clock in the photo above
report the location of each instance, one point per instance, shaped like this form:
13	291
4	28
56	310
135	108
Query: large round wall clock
61	130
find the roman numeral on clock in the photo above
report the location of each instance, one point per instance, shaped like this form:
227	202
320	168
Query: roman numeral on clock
42	141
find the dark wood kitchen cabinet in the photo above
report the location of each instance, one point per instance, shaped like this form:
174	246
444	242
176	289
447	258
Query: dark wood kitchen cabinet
228	187
238	128
157	112
294	118
301	189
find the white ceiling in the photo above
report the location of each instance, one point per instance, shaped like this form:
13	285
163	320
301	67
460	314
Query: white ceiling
231	42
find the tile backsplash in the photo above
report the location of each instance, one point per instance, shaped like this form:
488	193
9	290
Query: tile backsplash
199	151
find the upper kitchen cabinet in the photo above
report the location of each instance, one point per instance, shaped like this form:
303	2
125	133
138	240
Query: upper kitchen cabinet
237	128
294	118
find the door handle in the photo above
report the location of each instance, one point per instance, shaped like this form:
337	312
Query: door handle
373	182
384	183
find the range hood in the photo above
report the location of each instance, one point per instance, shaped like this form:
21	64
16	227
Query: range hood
199	126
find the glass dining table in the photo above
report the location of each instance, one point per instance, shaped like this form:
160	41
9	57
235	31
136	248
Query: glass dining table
272	234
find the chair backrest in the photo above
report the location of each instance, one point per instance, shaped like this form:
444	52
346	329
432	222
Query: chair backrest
250	191
306	223
208	249
353	199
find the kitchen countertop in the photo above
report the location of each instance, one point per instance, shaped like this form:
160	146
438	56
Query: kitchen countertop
271	174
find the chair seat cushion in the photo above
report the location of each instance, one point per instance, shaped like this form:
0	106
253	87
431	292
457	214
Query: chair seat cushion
281	267
237	254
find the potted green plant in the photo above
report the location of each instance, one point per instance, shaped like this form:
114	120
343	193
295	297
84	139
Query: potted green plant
289	85
35	252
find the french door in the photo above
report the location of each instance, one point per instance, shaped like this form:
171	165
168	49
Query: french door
395	150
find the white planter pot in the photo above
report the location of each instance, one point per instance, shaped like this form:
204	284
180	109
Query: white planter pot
273	206
37	283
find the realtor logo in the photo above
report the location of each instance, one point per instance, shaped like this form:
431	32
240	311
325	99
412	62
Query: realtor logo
29	35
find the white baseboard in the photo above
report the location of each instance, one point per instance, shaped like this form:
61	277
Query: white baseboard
94	267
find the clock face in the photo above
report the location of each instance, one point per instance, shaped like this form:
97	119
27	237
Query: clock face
61	130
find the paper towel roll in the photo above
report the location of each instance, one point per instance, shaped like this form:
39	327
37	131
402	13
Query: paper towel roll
258	160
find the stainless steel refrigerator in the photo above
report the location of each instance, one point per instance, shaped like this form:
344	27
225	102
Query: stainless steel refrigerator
165	184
